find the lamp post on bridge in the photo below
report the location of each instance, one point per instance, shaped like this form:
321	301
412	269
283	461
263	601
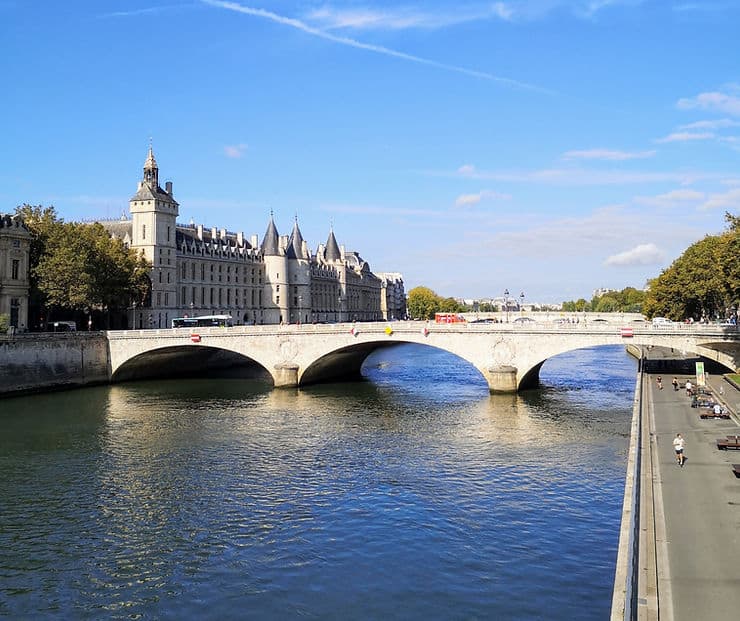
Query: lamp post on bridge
521	304
506	304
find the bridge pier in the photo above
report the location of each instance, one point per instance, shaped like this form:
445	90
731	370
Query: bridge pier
501	379
285	375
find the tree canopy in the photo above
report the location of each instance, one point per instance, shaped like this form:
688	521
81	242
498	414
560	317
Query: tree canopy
703	283
80	266
423	303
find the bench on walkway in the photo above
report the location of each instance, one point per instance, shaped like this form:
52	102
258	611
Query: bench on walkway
731	442
736	470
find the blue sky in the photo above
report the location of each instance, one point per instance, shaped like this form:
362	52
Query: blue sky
544	146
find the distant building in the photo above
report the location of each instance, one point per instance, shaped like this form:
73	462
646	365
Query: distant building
201	271
602	291
393	296
15	245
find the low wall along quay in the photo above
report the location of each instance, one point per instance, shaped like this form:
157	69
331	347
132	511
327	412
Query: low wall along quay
36	362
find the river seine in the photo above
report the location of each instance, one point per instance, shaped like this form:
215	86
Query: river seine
412	495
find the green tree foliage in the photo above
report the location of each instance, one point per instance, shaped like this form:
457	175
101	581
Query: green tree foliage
704	282
449	305
628	300
422	303
79	266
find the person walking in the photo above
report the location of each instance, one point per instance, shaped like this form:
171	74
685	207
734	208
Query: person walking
675	383
660	382
678	446
689	388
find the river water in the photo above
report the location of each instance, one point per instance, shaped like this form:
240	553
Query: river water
412	495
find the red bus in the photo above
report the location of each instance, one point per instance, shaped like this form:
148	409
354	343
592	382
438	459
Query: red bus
448	318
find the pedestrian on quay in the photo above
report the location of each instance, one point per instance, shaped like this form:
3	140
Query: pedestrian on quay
689	388
659	380
678	445
675	383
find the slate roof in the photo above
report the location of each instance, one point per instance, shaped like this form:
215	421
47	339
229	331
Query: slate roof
295	244
332	248
271	241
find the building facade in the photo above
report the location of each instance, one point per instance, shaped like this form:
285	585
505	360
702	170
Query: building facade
200	271
15	246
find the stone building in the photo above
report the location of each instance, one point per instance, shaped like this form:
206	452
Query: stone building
200	271
393	296
15	245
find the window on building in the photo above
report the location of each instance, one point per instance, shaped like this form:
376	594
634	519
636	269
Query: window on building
277	299
160	276
193	271
220	291
182	298
211	296
166	299
168	277
15	269
168	233
228	297
260	297
184	271
202	271
143	231
16	243
252	297
159	298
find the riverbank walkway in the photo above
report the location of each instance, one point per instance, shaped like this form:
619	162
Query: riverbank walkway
695	509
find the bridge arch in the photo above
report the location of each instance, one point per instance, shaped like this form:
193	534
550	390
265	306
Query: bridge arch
508	357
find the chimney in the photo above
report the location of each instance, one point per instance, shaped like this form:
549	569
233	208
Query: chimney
240	238
222	234
214	234
168	187
200	232
253	240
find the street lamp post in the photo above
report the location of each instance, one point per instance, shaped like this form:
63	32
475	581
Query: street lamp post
506	304
521	304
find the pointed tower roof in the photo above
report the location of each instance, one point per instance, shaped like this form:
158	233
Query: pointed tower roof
332	248
295	244
150	161
271	240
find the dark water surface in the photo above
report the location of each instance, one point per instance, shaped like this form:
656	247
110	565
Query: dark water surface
414	495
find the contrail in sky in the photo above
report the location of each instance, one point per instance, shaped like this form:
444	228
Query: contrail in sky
378	49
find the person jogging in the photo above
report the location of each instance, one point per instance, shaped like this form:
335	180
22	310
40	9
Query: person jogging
678	445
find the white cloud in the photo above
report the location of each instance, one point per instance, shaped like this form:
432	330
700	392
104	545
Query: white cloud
714	101
377	49
712	124
685	137
670	199
235	151
580	176
607	154
401	18
466	200
644	254
727	200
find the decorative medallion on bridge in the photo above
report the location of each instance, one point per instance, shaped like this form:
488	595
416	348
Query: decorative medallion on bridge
502	352
288	350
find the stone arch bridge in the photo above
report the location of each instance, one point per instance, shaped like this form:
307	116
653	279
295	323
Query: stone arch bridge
508	356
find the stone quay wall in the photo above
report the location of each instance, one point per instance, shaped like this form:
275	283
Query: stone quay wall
42	362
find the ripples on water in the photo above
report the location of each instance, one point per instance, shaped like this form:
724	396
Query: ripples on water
414	495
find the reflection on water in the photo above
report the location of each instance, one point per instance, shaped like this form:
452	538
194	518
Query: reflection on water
414	495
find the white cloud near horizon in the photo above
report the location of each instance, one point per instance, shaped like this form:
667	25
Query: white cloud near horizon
235	151
714	101
671	199
710	124
726	200
685	137
607	154
643	254
467	200
378	49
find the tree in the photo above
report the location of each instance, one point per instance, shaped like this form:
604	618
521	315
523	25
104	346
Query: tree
80	267
702	283
422	303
